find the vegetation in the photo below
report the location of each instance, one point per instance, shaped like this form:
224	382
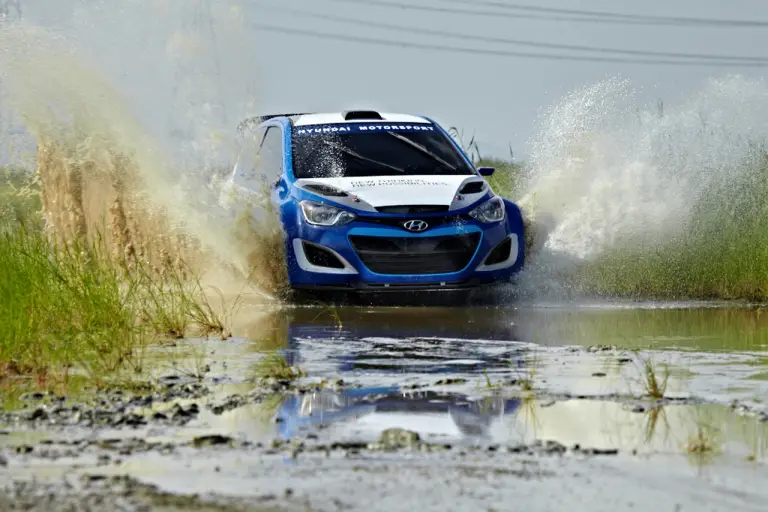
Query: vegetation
722	253
19	199
655	385
74	309
275	366
507	178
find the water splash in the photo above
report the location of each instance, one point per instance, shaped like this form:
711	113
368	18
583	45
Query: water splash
614	172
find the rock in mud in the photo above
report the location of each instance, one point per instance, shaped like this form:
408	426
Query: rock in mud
212	440
600	451
395	438
553	447
38	414
30	397
181	415
450	382
230	403
130	420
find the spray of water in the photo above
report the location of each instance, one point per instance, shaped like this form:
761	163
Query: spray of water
132	109
611	173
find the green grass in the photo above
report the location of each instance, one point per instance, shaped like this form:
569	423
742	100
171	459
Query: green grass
73	311
63	308
19	198
507	178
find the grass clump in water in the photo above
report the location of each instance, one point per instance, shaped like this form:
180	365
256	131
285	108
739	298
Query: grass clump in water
275	366
655	387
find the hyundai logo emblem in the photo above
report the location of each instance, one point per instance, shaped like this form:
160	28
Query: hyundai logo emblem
415	225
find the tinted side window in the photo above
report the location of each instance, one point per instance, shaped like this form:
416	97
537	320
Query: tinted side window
271	154
261	161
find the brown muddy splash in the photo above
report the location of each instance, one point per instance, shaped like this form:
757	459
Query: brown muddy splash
103	178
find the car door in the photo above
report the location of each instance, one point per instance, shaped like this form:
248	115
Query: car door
259	169
273	165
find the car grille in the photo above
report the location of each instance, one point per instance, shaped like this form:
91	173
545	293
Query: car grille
433	222
417	255
412	209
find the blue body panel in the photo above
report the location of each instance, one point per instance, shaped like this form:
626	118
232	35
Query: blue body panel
287	197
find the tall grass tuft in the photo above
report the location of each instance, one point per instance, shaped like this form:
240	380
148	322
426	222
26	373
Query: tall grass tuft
74	308
64	307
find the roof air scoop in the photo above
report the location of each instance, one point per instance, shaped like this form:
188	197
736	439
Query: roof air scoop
351	115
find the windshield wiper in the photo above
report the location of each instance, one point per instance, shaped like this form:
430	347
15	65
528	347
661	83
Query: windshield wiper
422	149
357	155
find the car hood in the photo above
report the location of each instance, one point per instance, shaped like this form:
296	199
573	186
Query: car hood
403	190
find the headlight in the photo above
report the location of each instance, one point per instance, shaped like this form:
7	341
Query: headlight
490	211
321	214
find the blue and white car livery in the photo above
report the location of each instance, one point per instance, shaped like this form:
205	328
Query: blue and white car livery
374	201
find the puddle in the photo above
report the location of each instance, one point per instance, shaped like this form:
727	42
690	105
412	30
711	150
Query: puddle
501	394
363	414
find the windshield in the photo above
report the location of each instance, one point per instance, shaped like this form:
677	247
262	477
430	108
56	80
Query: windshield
374	149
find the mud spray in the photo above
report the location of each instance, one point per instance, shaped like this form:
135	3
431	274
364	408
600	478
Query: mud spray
130	109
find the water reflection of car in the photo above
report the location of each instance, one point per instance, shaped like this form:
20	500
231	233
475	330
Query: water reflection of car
444	344
364	413
376	202
434	341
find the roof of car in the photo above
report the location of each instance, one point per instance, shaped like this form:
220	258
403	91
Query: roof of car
347	116
343	117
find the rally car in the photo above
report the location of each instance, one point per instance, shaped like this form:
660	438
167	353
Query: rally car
372	201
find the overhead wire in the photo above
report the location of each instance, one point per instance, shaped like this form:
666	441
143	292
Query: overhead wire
551	16
611	16
510	41
489	52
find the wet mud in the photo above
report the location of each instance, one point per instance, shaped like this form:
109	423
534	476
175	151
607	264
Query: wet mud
398	408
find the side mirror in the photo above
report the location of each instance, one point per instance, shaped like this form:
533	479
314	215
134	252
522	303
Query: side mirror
486	171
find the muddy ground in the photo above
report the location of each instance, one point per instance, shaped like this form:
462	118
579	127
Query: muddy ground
542	407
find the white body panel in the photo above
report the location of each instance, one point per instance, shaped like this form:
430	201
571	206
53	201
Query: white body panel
399	190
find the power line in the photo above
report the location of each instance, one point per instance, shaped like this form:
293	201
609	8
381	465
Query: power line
608	16
517	42
548	16
469	12
498	53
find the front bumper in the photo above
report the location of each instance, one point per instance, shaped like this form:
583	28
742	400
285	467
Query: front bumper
448	257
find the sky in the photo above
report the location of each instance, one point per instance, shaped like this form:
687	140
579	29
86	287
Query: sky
499	98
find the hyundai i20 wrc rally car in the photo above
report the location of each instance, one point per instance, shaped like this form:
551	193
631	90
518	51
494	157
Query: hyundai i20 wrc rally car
373	201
